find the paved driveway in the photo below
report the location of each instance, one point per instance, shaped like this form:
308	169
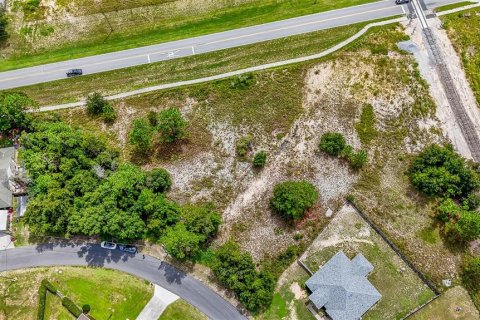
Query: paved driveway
151	269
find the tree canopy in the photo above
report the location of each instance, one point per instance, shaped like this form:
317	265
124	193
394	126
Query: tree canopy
293	198
141	135
13	112
172	125
439	171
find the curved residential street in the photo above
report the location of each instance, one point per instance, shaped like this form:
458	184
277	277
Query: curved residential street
151	269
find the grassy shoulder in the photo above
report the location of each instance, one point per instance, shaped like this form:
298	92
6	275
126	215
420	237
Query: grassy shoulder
180	310
173	25
454	6
111	294
462	28
193	67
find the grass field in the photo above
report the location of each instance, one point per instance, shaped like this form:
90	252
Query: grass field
445	307
111	294
180	310
116	29
462	28
193	67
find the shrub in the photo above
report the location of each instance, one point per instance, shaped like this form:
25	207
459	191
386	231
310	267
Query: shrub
358	159
236	270
171	125
86	308
243	145
471	274
95	104
30	6
108	113
292	198
42	299
260	159
201	220
152	118
439	171
181	243
141	135
242	81
72	307
50	287
332	143
366	127
466	229
3	25
159	180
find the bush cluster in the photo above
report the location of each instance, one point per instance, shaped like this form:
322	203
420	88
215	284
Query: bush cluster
98	106
3	25
441	173
45	286
292	199
471	274
244	145
334	144
260	159
236	270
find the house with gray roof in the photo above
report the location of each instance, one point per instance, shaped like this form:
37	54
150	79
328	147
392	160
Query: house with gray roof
342	289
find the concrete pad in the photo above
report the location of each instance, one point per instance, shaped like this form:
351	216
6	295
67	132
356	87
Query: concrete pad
157	304
5	241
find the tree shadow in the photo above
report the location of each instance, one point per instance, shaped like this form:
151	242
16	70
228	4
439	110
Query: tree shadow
171	273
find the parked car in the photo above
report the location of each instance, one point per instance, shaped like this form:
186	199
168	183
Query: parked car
74	72
108	245
401	1
127	248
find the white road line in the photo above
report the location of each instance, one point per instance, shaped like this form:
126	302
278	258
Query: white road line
193	50
148	58
403	9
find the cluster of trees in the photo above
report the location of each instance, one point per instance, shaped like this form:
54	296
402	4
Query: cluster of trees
441	173
98	106
78	186
3	25
292	199
13	112
334	144
169	124
236	270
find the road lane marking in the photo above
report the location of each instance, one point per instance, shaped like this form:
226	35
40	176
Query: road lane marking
203	44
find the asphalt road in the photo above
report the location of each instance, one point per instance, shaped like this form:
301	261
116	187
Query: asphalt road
208	43
151	269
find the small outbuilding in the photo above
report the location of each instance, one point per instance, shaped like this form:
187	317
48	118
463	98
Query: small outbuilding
342	289
6	196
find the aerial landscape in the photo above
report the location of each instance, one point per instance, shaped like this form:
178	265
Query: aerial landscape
239	159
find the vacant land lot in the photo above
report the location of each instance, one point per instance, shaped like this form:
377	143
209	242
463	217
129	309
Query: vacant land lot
63	29
462	27
400	287
111	294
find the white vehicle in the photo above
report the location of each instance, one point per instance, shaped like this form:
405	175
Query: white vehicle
108	245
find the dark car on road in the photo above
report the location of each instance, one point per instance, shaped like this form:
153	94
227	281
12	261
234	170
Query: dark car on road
401	1
74	72
127	248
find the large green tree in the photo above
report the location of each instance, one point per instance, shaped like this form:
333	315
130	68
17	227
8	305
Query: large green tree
181	243
293	198
141	135
14	112
172	125
439	171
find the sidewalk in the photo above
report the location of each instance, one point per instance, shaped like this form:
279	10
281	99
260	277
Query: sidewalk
159	302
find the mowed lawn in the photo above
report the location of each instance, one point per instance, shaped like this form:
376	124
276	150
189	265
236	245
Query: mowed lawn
181	310
111	294
126	29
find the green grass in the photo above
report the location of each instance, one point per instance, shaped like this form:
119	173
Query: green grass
55	310
366	127
193	67
462	28
454	6
180	310
177	27
111	294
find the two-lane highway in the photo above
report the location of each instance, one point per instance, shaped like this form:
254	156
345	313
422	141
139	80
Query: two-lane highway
208	43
